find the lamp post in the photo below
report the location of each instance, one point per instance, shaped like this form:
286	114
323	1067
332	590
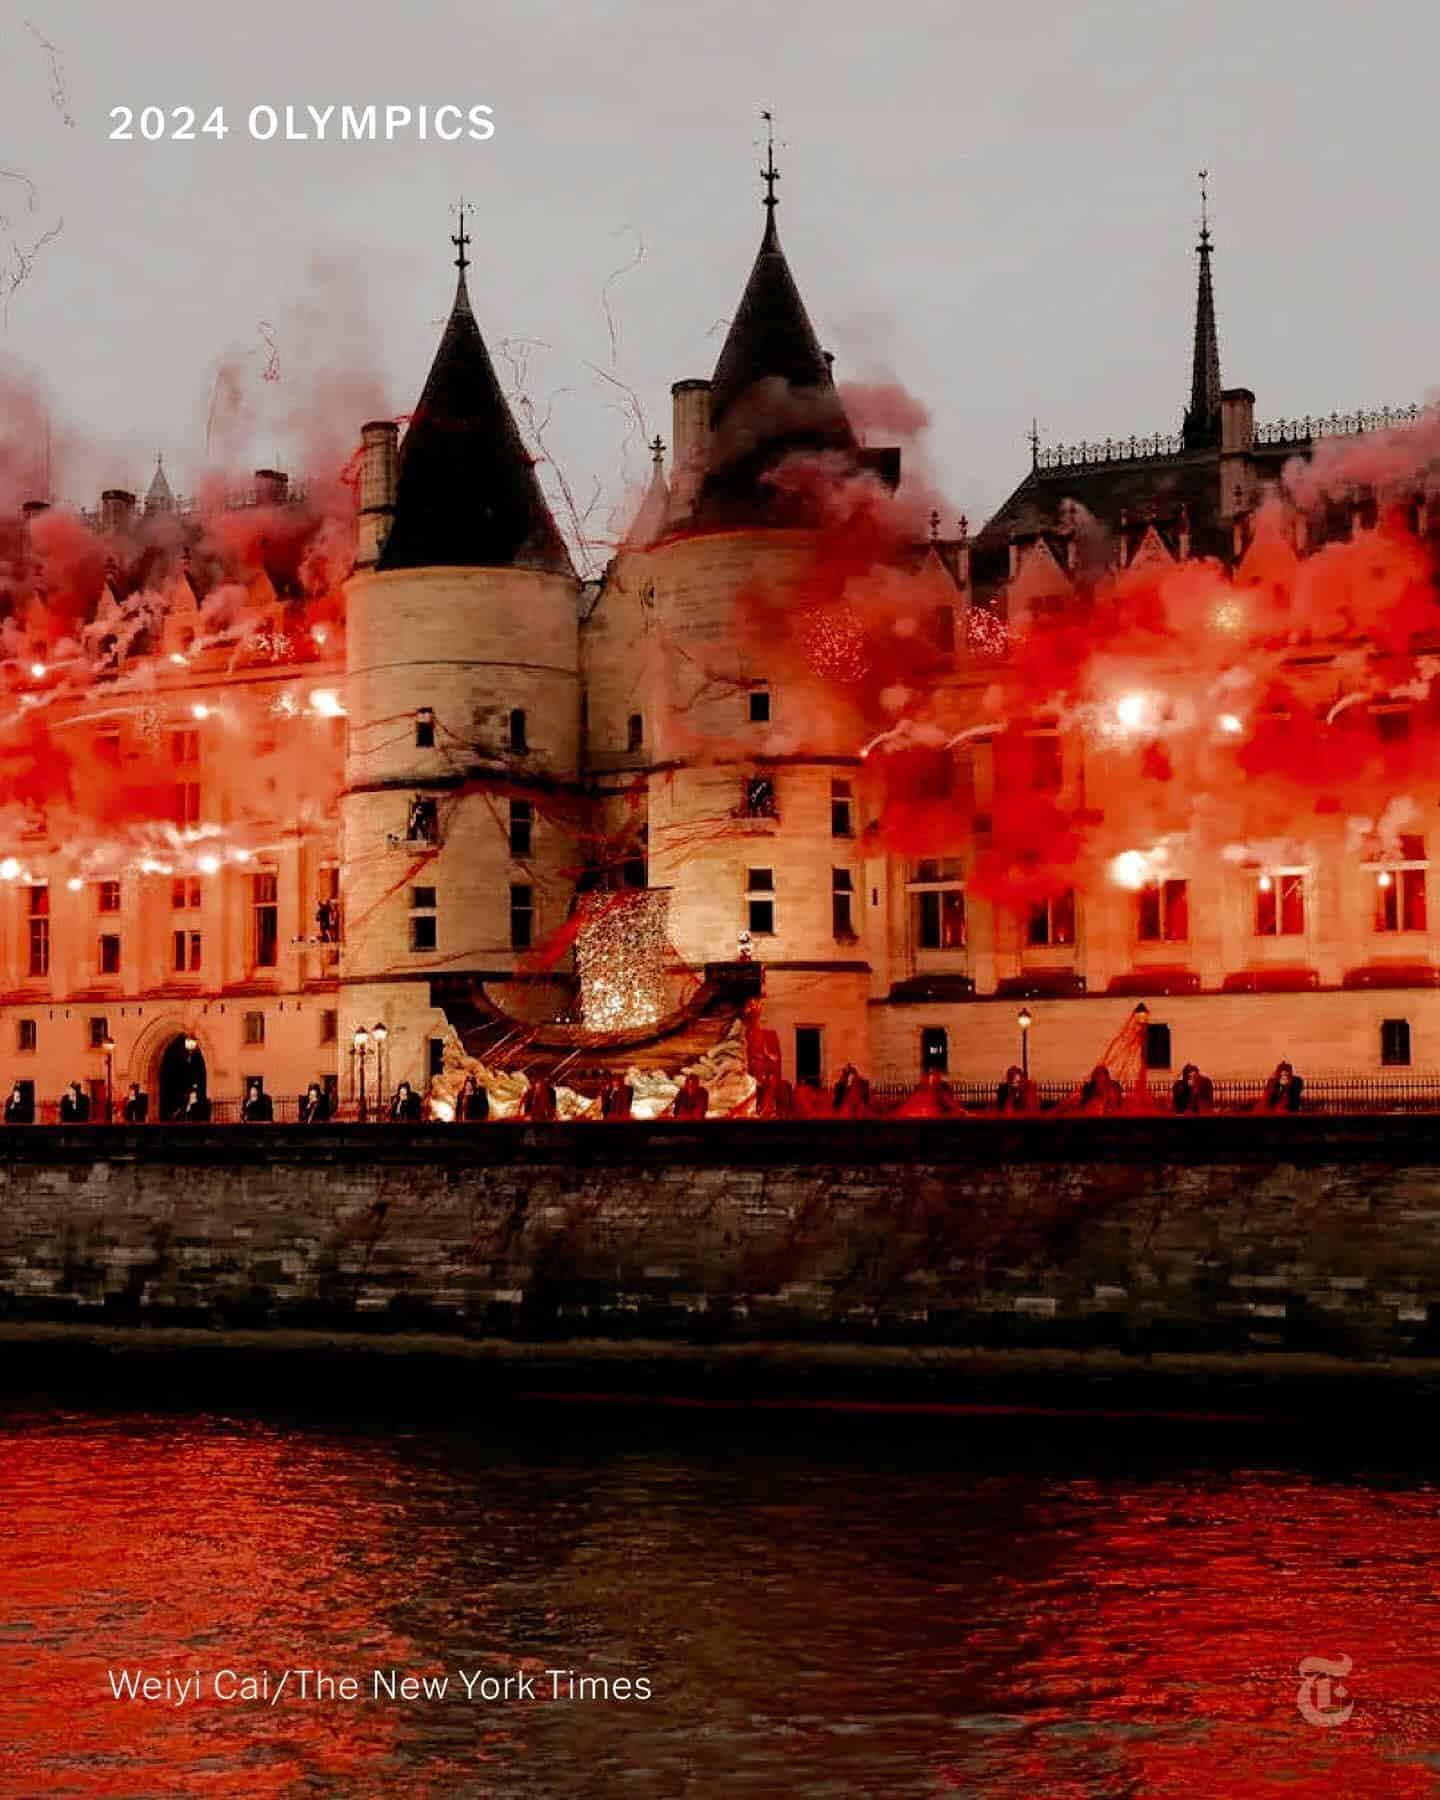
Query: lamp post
362	1050
108	1046
380	1032
1025	1022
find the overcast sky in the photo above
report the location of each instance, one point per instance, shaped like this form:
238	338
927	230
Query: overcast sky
994	206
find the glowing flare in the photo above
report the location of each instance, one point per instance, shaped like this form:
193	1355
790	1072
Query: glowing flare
177	658
1229	722
1384	878
326	702
9	869
74	884
1266	884
442	1109
319	633
1131	869
200	710
208	864
240	855
39	671
1131	710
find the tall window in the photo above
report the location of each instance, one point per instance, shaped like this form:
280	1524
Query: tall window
265	919
1280	904
254	1028
938	898
760	902
635	731
1163	911
934	1048
27	1035
759	800
329	1026
518	736
942	628
522	827
422	823
424	728
107	896
185	803
1400	889
1395	1043
39	922
842	810
185	892
759	705
1157	1046
99	1032
110	953
424	925
842	903
809	1054
186	952
1052	921
522	915
185	746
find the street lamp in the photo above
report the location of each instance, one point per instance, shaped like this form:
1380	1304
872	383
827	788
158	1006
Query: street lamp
362	1050
1025	1022
379	1033
108	1046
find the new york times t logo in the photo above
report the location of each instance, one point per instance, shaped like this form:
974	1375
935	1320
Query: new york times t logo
1319	1697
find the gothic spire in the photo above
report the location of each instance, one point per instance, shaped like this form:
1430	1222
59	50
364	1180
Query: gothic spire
467	494
1202	416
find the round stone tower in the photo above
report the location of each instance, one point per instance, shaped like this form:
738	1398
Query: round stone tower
462	691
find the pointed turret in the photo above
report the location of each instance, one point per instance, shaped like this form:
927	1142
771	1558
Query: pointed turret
649	521
773	392
467	494
1201	430
158	497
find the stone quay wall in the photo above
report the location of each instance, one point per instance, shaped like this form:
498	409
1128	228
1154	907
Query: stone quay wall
1209	1235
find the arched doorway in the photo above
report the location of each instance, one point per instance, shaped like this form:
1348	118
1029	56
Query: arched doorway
182	1066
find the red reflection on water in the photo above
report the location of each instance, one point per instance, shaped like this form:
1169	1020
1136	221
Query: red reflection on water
173	1551
1167	1638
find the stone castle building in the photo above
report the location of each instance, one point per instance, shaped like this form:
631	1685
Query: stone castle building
502	736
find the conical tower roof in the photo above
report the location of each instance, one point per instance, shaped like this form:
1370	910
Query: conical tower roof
467	494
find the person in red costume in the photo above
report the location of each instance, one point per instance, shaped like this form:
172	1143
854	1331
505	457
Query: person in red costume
693	1101
539	1104
851	1096
933	1099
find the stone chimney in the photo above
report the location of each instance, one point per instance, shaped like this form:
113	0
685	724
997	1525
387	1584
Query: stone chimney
379	478
690	445
117	510
1237	421
1237	439
272	487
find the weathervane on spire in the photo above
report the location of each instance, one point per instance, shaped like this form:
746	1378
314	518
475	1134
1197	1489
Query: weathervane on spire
1204	207
657	449
769	174
1032	437
461	238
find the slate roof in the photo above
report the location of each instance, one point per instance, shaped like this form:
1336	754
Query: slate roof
468	496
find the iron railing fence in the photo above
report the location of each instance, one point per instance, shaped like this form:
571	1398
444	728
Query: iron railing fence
1332	1095
1320	1094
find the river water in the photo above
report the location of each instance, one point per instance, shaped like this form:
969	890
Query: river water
821	1604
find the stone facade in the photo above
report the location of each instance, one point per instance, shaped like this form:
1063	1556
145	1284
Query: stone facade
649	704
